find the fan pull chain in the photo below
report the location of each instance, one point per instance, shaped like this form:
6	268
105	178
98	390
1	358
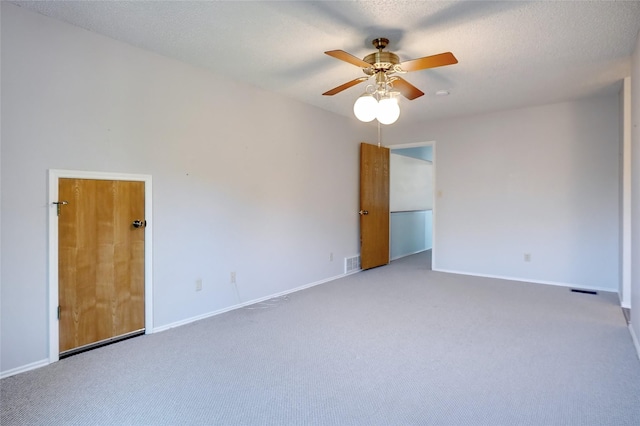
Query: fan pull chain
379	138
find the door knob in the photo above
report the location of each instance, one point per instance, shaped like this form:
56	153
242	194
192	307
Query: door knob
139	223
363	212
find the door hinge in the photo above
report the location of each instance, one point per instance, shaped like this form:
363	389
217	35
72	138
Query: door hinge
59	311
60	203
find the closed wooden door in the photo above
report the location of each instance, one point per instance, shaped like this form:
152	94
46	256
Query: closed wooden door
374	206
100	261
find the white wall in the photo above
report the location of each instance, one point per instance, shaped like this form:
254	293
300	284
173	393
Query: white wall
635	196
409	233
541	180
243	180
410	184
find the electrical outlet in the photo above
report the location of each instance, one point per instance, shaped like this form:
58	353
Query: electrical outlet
199	284
233	277
527	257
330	257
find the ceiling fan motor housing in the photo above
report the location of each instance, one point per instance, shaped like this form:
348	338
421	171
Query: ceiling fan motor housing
382	61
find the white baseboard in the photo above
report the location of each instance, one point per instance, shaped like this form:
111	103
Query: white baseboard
24	368
251	302
525	280
634	337
46	362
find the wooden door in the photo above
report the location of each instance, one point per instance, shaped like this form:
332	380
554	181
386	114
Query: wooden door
374	206
100	261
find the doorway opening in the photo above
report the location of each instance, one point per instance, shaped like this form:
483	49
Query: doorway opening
412	201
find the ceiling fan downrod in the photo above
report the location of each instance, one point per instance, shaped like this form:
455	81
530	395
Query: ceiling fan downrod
380	43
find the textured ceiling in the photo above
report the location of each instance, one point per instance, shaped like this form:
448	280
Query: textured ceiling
511	54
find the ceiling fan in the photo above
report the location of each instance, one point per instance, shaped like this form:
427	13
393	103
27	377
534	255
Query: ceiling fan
384	65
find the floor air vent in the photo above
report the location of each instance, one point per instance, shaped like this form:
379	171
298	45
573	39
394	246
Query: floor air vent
577	290
351	264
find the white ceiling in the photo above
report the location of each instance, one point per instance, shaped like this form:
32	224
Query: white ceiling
511	54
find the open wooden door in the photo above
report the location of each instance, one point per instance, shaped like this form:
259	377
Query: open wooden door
374	206
100	262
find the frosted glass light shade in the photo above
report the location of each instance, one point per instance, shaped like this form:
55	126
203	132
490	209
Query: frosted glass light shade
365	108
388	111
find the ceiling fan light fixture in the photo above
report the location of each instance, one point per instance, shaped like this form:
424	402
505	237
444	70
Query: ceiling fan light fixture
381	102
366	107
388	110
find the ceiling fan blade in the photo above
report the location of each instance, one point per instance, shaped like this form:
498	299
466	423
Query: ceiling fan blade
345	86
348	57
433	61
407	89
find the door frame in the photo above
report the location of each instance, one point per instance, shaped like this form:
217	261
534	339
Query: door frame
435	192
54	176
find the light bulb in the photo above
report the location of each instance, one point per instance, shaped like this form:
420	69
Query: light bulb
388	110
365	108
